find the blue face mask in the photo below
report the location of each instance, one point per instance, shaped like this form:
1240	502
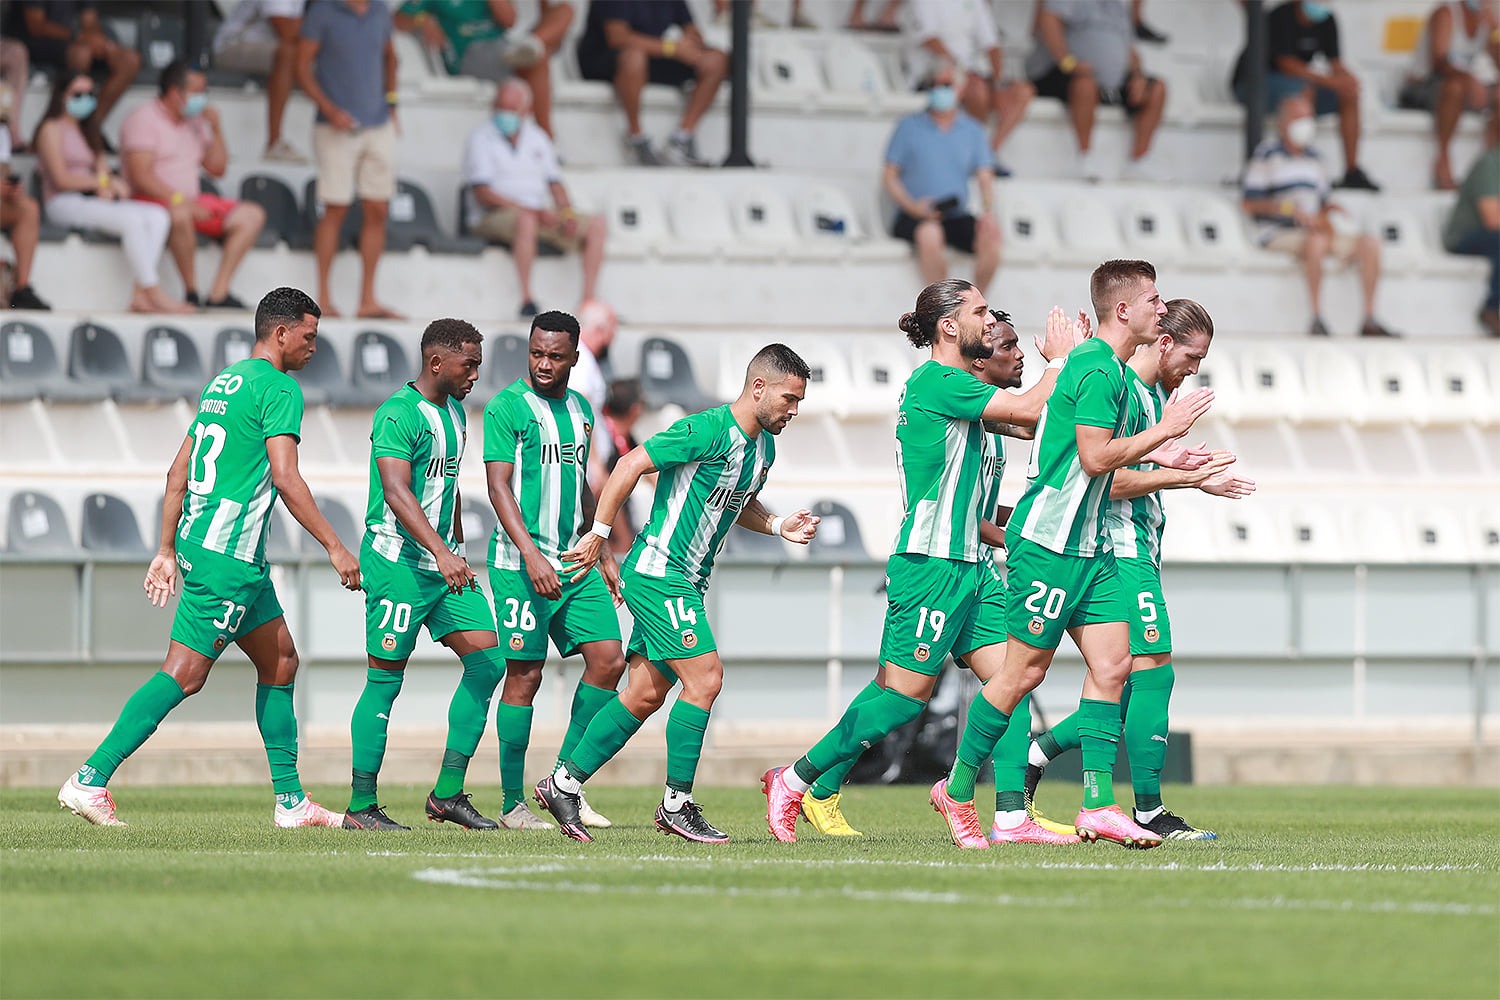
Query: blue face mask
942	98
81	106
1317	13
195	104
508	122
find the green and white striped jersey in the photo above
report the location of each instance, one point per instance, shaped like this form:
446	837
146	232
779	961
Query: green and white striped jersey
1063	508
431	438
546	441
230	493
991	471
709	470
1135	525
939	455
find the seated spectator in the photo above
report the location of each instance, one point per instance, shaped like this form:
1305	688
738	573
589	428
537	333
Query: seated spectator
597	323
165	143
15	72
21	220
928	163
79	191
65	36
260	38
1286	193
964	34
884	21
516	195
1296	32
1442	76
476	38
631	42
1473	227
1144	31
1084	56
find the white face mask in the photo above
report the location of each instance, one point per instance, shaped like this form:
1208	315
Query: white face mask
1302	132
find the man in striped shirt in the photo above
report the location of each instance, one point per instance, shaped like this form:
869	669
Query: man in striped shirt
712	468
1061	573
537	435
416	574
933	576
238	456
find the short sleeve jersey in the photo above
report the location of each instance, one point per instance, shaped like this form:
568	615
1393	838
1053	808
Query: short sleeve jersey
939	457
431	437
1063	507
1135	525
547	443
709	469
991	472
230	493
463	21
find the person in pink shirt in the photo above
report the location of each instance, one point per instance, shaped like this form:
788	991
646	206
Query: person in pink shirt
164	145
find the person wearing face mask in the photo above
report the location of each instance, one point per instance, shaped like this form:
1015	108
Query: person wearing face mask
1296	33
1286	194
1442	78
165	143
514	193
80	192
928	164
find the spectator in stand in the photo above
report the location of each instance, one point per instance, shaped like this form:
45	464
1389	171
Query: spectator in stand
1473	227
963	32
631	42
623	406
1084	56
886	20
1442	76
165	143
1297	32
516	194
65	36
1144	31
79	191
1286	194
928	163
476	38
21	220
15	71
260	38
347	65
596	325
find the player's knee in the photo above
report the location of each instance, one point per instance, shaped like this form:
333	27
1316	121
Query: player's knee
287	665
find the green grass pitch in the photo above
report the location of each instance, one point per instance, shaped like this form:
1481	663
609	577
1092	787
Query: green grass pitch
1325	892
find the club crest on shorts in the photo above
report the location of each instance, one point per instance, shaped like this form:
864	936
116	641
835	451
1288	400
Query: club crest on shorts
1035	626
516	642
388	643
218	644
1152	633
922	652
689	639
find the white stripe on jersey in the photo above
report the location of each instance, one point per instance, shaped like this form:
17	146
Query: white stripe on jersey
216	539
256	520
653	560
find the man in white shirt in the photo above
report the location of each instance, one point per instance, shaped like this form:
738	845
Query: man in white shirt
514	194
596	331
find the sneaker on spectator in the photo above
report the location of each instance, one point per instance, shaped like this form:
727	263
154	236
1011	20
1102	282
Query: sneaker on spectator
229	301
682	151
1356	179
1318	328
1370	328
282	151
26	297
1488	318
528	309
638	148
1088	167
1137	170
524	52
1001	170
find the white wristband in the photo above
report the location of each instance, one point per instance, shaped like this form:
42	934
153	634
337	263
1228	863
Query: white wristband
1057	362
601	529
776	523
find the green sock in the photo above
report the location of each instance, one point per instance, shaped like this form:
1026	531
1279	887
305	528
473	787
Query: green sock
587	700
981	734
1060	738
862	726
1010	758
611	729
1146	731
142	713
467	712
513	723
1099	736
831	780
686	726
278	731
451	774
367	732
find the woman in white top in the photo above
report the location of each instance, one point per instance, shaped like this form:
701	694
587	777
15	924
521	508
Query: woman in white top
1442	78
80	191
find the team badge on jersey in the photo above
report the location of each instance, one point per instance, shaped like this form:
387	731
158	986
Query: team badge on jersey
1036	626
689	639
388	643
516	642
1152	633
922	652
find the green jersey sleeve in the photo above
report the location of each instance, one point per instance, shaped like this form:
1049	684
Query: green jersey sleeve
501	428
393	434
281	410
1099	398
954	393
690	439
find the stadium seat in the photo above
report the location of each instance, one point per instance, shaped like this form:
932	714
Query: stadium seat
700	222
234	343
826	218
1438	534
312	211
341	520
1246	532
1089	230
281	547
505	358
1381	538
1271	383
1220	372
1152	228
1336	385
35	525
29	365
636	222
838	538
1216	233
763	223
108	526
667	377
1316	534
479	522
323	379
856	80
413	222
1486	532
171	367
1029	229
1460	391
787	72
879	369
284	219
1396	385
1402	243
743	545
97	358
380	366
161	38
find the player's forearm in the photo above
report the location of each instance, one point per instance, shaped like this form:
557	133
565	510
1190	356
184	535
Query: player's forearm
621	483
1098	457
172	499
755	517
1131	483
992	534
511	520
298	499
1025	409
409	514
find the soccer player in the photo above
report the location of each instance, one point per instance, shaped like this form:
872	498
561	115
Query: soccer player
537	433
238	456
1061	573
712	467
416	574
933	576
1135	521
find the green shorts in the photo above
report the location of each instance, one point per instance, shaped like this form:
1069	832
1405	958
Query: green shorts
986	626
584	613
1049	593
1150	627
223	600
670	620
929	603
399	599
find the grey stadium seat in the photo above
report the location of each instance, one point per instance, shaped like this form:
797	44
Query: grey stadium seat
30	367
234	343
96	358
838	538
504	359
109	526
412	221
343	522
667	377
35	526
348	232
284	218
743	545
380	366
171	367
323	380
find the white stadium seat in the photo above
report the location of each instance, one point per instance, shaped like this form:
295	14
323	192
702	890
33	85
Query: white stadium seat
1460	387
1271	384
1333	385
700	221
1152	228
1396	385
763	223
636	222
